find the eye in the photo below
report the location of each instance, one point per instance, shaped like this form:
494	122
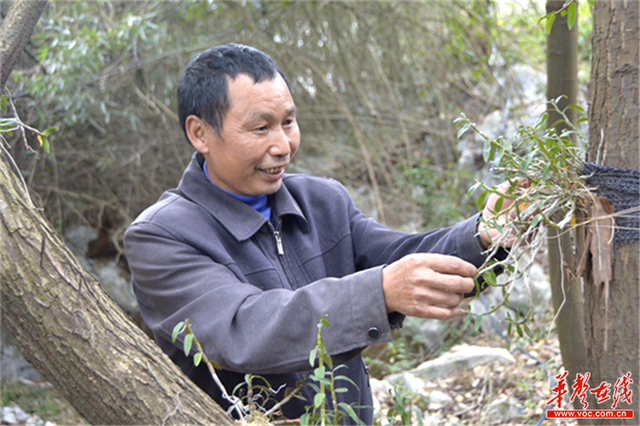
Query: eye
263	128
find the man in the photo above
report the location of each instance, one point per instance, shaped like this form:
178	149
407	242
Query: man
254	257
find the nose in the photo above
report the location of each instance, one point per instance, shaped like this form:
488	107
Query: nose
281	143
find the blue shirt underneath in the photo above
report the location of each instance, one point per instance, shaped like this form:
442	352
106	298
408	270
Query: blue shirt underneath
258	202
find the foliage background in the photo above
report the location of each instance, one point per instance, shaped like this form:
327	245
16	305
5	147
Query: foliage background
377	84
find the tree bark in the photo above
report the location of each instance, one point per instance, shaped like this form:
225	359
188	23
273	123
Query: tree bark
76	336
613	140
63	322
15	33
566	289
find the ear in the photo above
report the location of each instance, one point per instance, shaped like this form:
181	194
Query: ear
197	132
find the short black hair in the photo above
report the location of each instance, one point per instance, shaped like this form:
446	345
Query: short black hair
203	88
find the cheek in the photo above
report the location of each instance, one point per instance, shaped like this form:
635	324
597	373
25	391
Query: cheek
295	141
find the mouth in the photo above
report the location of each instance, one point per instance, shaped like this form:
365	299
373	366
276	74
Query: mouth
273	170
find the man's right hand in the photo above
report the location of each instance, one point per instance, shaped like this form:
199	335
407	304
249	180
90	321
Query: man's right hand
427	285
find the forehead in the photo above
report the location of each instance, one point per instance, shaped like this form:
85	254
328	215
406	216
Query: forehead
244	92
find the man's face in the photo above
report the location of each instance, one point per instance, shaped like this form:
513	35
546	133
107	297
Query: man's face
260	135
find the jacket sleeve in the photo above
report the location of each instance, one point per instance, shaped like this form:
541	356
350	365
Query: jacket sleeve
375	244
243	328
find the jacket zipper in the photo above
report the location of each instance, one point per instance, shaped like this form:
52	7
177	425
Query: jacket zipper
276	233
280	246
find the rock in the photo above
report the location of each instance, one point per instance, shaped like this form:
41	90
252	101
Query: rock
459	359
432	418
408	381
438	400
115	280
116	283
503	409
12	363
430	331
380	392
14	415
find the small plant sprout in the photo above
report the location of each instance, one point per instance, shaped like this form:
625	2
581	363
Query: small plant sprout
248	408
542	169
324	383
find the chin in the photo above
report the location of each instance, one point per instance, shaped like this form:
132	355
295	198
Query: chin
267	189
273	188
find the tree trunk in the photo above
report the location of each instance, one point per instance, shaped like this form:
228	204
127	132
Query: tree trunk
566	290
76	336
613	141
62	321
15	33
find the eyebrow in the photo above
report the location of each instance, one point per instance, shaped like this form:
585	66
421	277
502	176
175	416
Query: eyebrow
268	117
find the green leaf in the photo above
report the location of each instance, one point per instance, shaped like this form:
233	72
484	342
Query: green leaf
215	365
188	341
346	379
304	419
49	130
545	171
179	328
341	390
197	358
480	200
477	324
528	331
536	219
498	206
44	141
486	151
576	107
571	15
349	410
318	400
418	414
473	189
320	372
519	330
490	277
465	127
312	356
550	19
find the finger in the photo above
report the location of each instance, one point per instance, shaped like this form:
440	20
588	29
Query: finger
450	265
437	312
432	296
451	283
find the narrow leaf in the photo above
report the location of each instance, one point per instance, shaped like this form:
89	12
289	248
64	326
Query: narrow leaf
571	15
528	331
550	23
349	410
486	151
177	330
188	341
312	356
480	200
49	130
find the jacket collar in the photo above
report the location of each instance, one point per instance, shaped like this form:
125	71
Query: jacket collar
238	218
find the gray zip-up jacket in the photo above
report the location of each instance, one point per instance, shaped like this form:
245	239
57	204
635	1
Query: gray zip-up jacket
254	290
